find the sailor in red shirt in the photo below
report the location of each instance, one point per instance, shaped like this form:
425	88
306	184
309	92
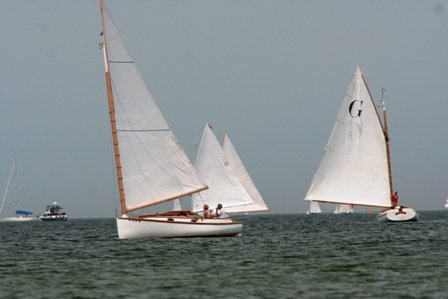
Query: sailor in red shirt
395	199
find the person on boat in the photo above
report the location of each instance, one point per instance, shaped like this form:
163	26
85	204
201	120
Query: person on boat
207	213
220	212
399	210
395	199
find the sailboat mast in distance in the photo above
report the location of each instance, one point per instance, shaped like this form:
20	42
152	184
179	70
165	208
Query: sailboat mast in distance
386	136
113	122
7	184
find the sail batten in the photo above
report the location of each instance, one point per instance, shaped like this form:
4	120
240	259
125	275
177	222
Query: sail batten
154	168
354	169
149	130
116	61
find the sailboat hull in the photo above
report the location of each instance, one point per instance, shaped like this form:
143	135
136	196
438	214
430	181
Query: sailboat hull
398	215
18	219
176	227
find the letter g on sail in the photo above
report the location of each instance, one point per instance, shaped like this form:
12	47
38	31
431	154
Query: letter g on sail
355	108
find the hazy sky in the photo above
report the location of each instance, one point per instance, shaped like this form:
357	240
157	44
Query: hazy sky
271	73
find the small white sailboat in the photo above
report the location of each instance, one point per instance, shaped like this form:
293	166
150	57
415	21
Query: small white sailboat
343	209
229	183
258	204
314	208
152	168
20	215
355	168
446	203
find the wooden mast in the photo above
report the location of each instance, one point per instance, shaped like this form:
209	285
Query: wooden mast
386	136
110	97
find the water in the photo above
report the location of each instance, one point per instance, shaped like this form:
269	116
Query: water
279	256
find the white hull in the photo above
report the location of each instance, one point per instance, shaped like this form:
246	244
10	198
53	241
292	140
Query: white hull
397	215
174	227
53	217
18	219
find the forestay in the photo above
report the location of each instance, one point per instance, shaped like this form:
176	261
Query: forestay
217	172
154	166
354	168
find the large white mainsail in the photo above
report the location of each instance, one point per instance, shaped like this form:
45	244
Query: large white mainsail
213	167
154	166
354	167
243	176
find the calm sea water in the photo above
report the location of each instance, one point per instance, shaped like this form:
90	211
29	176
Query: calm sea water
278	256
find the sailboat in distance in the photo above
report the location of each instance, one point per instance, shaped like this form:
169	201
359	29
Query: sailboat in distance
258	204
343	209
229	183
314	208
152	168
355	168
20	215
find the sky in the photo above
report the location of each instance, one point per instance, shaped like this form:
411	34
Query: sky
270	73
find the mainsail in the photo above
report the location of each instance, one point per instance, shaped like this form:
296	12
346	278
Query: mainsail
354	167
213	167
243	176
154	167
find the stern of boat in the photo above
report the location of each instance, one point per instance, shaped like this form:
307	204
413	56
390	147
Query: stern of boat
398	214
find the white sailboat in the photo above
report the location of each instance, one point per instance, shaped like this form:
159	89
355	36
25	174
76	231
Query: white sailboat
355	168
343	209
20	215
446	203
152	167
314	208
258	204
229	183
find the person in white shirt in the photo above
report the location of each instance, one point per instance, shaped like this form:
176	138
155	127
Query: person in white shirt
220	212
